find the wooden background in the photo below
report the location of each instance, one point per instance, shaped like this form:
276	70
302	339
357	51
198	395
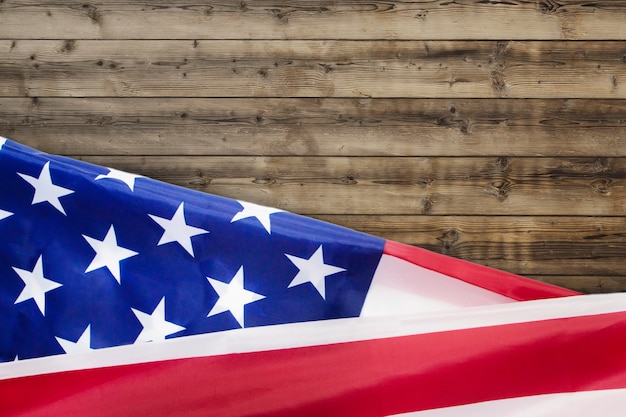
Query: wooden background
493	131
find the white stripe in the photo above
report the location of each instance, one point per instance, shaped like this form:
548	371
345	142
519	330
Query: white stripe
605	403
320	333
400	287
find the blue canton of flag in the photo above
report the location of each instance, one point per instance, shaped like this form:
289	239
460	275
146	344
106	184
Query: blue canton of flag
92	257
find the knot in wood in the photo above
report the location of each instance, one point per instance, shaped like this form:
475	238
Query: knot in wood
327	68
600	164
502	164
602	186
427	204
462	124
501	189
280	15
103	121
448	239
200	182
266	180
68	46
424	182
497	81
349	180
421	14
549	6
92	13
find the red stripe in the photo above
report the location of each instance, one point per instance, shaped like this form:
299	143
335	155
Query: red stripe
504	283
366	378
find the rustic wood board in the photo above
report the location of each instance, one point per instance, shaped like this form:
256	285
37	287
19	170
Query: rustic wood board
305	19
328	68
492	131
557	247
317	126
399	185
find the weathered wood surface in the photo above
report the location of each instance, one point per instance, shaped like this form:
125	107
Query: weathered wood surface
253	68
585	284
345	19
399	185
555	246
493	131
317	127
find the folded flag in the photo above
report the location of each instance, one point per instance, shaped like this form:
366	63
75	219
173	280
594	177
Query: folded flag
559	357
93	258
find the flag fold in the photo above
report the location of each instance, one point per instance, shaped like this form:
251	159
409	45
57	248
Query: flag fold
123	295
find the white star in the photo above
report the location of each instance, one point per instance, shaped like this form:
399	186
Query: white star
155	327
108	254
45	190
177	230
125	177
5	214
232	297
36	285
2	142
313	270
262	214
83	344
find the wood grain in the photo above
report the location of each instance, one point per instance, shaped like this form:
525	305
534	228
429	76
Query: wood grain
491	131
395	69
404	185
449	233
305	19
576	247
590	284
317	127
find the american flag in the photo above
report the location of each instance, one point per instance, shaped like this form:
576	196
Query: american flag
121	295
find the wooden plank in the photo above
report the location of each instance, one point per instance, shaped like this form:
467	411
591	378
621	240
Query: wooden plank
523	244
396	69
573	248
593	284
607	267
345	19
501	236
403	185
317	127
